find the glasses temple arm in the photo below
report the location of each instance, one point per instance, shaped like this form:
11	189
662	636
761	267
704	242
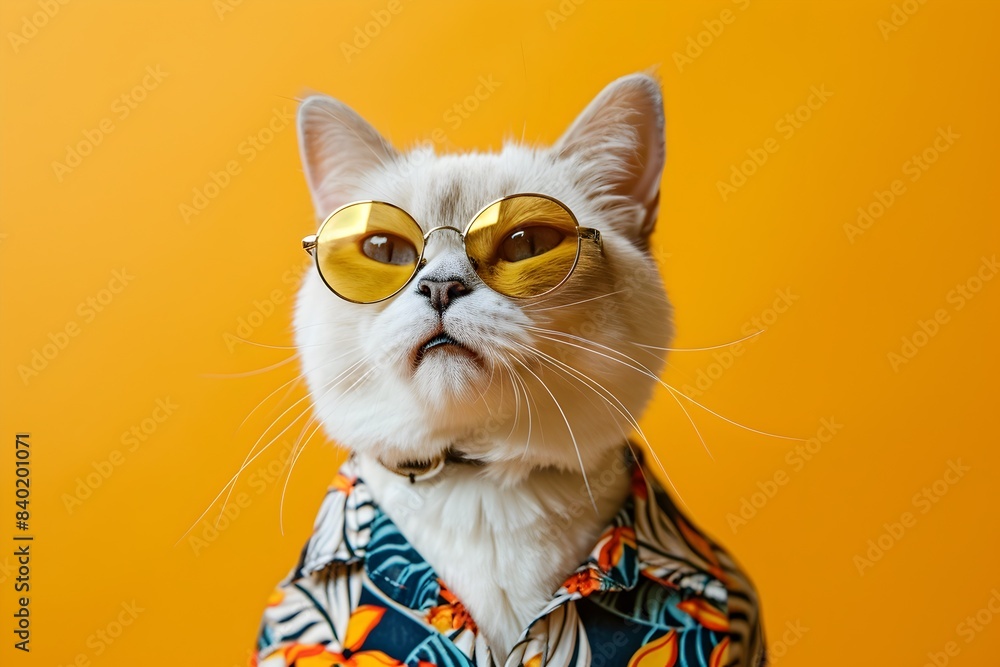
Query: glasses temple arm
309	244
592	234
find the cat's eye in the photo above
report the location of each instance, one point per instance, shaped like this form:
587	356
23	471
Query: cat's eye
389	249
368	251
529	242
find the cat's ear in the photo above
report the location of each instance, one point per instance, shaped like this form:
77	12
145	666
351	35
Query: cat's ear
618	139
338	146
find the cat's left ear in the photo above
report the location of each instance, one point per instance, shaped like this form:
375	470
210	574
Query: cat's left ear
339	148
619	142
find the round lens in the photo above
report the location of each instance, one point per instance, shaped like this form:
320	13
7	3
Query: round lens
524	245
368	251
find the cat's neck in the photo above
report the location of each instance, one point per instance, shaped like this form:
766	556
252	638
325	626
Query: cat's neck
502	548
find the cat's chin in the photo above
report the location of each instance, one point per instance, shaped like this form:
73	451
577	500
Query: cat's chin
445	369
449	373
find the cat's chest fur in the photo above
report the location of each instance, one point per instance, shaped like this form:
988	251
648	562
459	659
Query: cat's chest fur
502	550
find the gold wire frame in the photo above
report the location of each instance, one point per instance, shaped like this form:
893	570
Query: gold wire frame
309	243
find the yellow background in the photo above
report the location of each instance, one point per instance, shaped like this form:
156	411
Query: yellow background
226	74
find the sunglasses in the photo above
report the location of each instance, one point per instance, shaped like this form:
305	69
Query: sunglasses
522	246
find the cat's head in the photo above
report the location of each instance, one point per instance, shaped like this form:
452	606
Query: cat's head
551	381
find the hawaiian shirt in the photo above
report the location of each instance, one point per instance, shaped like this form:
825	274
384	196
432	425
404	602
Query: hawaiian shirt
654	592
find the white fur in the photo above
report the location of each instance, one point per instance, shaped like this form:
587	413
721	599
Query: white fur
489	531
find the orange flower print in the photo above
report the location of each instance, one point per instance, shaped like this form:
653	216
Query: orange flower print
585	582
648	573
312	655
614	543
706	614
452	615
701	545
362	622
343	483
720	654
660	652
639	484
277	597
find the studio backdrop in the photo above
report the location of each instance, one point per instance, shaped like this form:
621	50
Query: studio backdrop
830	186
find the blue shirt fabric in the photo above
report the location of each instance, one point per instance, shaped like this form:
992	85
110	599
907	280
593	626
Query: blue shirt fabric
654	592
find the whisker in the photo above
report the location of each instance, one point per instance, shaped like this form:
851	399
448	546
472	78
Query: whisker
297	452
693	425
232	480
493	369
579	456
527	406
291	385
253	372
327	389
645	371
574	303
292	382
584	378
272	347
702	349
727	419
246	462
295	380
482	396
635	424
579	384
517	402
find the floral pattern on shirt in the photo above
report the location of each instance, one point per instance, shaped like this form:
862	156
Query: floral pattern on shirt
654	592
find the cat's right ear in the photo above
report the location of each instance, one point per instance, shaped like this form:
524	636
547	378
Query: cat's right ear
618	141
338	146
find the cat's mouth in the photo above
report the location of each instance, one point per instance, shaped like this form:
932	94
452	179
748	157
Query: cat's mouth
440	343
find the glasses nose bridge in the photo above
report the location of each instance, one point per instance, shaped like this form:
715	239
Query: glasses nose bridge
441	228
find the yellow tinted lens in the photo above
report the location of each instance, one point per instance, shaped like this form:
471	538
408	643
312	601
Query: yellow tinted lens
524	245
367	251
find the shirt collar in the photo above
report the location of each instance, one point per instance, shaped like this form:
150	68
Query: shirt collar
647	537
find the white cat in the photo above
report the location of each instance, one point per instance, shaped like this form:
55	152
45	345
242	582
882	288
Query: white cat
496	449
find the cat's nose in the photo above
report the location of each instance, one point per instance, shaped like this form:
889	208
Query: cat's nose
442	292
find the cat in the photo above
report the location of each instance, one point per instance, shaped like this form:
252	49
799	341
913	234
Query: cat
490	434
